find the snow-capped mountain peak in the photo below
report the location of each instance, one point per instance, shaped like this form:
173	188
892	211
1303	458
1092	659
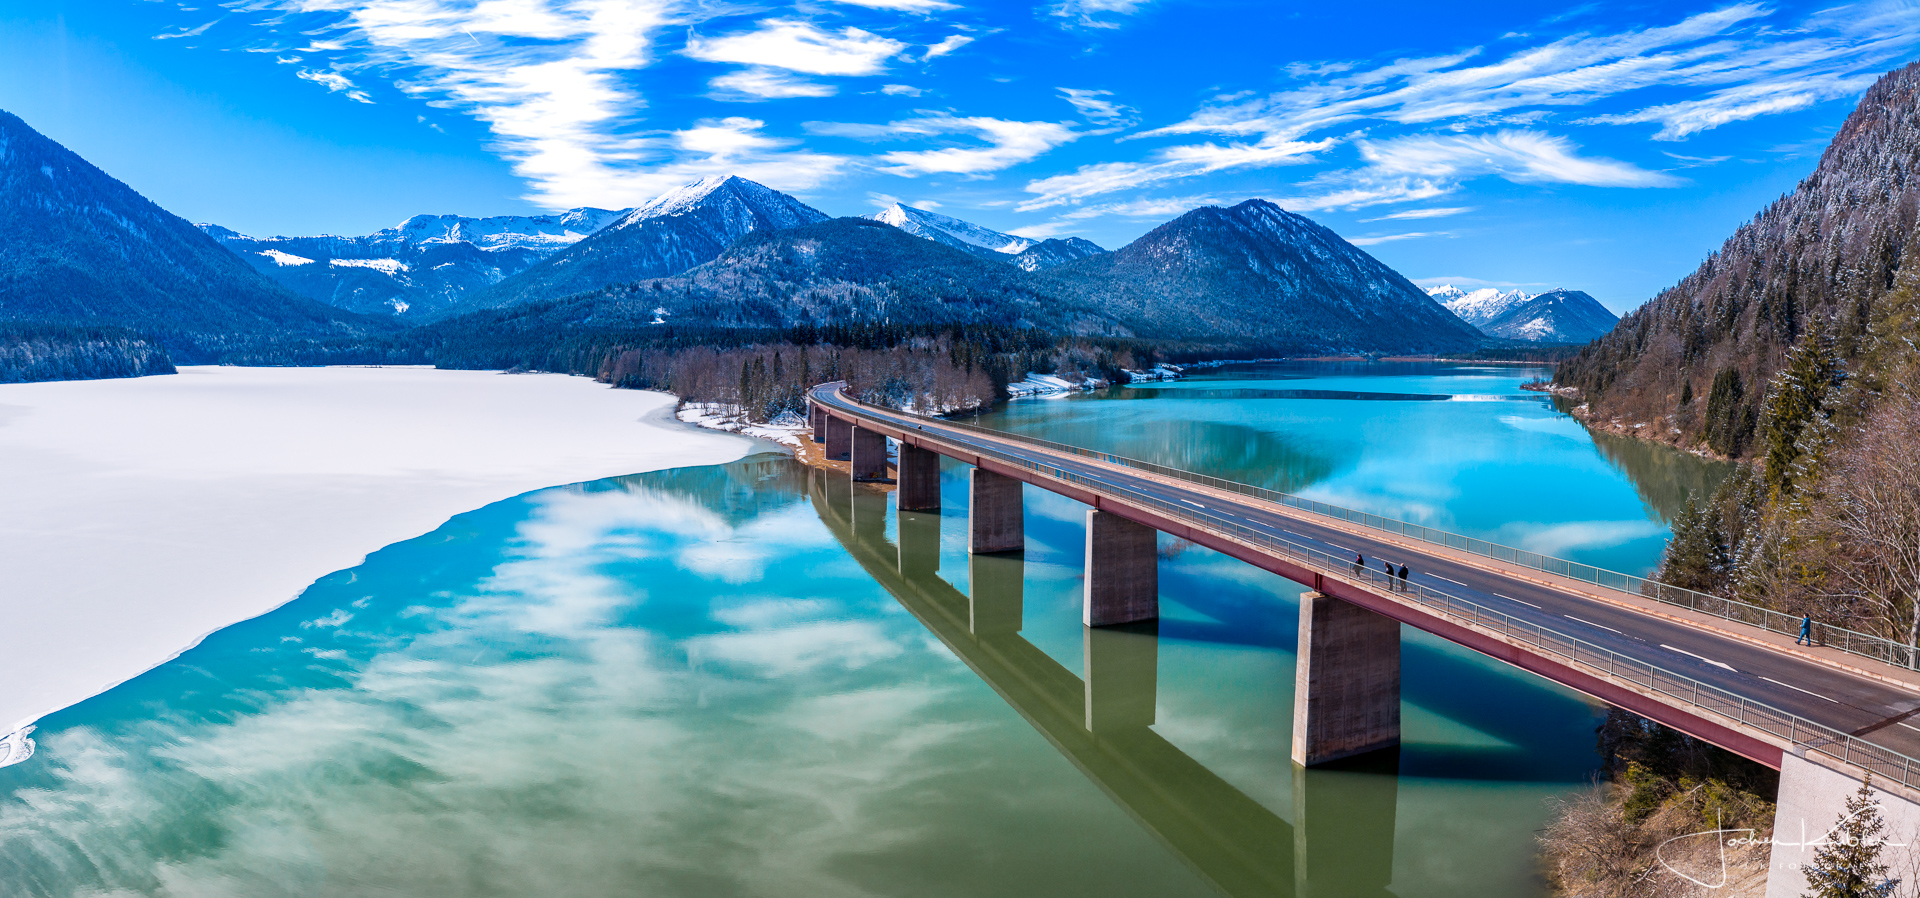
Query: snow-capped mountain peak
950	231
537	232
1478	307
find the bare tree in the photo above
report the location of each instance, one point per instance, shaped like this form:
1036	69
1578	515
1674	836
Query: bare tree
1871	510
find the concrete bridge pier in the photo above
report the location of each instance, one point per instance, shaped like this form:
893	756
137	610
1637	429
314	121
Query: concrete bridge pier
1123	571
817	419
1346	688
919	542
995	522
1812	800
839	439
918	472
1122	675
996	593
869	456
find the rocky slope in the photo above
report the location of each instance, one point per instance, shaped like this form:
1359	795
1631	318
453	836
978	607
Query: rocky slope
425	268
85	249
1055	252
1691	366
681	229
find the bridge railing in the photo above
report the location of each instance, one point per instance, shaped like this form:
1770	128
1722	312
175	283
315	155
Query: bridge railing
1683	690
1853	642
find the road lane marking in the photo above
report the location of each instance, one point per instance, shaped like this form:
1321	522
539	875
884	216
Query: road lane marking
1591	624
1907	725
1193	503
1726	667
1798	689
1450	580
1512	599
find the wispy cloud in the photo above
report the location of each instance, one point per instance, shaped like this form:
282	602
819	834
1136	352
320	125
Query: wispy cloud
1171	164
189	32
1096	13
1414	214
1008	143
914	6
335	82
799	46
1389	238
767	84
951	43
1093	108
1519	156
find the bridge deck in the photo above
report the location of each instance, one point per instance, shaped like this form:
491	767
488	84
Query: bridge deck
1803	685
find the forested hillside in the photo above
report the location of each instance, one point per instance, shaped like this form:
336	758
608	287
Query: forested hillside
1692	366
35	352
1258	273
85	249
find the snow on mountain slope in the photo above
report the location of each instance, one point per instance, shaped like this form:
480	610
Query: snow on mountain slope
1557	316
952	231
1477	307
672	233
426	266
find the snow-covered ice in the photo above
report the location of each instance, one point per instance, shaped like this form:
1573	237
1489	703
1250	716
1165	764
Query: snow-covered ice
143	514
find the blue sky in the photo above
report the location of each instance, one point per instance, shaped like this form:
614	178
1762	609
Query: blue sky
1602	147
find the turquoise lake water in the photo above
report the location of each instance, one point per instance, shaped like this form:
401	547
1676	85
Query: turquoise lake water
757	679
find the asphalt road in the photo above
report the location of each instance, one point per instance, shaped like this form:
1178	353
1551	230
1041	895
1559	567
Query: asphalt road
1799	685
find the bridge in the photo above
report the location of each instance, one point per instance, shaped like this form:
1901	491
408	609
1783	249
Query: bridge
1825	718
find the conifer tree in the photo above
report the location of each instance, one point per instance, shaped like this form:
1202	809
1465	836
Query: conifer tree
1849	864
1797	402
1697	556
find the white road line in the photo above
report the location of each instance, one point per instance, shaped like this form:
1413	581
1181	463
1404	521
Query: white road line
1450	580
1591	624
1512	599
1726	667
1807	691
1193	503
1902	723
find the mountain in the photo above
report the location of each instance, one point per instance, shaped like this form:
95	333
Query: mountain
424	268
84	249
962	235
843	271
1699	356
1478	307
1055	252
1258	273
1556	316
680	229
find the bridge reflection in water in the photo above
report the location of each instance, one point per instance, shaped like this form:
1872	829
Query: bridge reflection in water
1340	842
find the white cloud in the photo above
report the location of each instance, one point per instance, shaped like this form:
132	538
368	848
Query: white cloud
1008	142
1175	162
189	32
799	46
919	6
1388	238
1519	156
1094	109
948	45
1096	13
335	83
1412	214
901	90
767	84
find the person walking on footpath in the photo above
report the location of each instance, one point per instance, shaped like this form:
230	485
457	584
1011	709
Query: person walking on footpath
1389	566
1359	561
1806	631
1403	578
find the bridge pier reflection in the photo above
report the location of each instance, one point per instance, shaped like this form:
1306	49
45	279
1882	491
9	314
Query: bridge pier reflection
1341	840
1122	674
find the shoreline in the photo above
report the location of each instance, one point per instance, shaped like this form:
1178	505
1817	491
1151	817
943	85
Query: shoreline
151	512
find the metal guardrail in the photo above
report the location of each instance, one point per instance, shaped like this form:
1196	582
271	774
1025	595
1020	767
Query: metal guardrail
1853	642
1790	728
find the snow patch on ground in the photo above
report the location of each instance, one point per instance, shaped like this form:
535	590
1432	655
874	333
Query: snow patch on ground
785	430
1049	385
285	259
385	266
145	513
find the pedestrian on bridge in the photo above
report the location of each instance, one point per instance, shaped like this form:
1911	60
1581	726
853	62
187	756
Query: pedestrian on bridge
1389	566
1359	561
1806	631
1403	578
